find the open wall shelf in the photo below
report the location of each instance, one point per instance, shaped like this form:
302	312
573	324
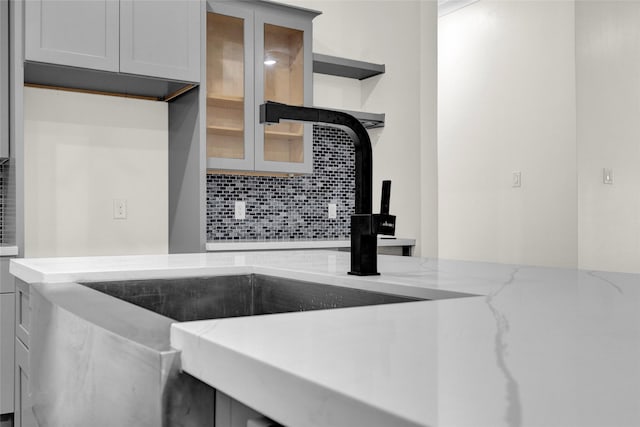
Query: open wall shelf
368	120
343	67
350	68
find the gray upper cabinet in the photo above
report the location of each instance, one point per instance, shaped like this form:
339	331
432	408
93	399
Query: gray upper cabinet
156	38
75	33
4	80
160	38
256	52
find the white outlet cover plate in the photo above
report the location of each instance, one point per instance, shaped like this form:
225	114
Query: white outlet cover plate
241	209
119	209
333	211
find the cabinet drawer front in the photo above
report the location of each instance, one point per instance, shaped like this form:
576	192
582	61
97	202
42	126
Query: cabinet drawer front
23	312
160	38
7	337
75	33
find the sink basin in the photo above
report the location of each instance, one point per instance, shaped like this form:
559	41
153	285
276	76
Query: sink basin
199	298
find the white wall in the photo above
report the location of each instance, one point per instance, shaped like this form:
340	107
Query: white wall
81	152
608	129
429	129
506	103
399	34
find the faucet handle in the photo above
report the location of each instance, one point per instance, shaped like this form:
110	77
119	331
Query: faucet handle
383	223
386	196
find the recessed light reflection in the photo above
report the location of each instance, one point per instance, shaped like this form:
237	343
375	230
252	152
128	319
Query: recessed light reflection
269	62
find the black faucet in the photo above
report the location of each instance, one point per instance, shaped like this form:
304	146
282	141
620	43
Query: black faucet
365	226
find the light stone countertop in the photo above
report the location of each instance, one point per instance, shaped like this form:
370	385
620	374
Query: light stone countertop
536	347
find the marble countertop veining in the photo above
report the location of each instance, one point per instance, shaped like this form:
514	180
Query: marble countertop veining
537	346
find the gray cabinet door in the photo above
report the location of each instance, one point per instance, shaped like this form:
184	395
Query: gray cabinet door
160	38
75	33
22	312
23	416
216	81
299	79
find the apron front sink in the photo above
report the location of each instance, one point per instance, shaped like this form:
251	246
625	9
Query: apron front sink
200	298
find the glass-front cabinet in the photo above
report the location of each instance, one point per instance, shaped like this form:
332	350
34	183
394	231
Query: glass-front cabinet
257	52
229	89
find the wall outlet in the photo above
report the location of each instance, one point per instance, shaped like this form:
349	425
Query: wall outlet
333	210
119	208
241	210
607	176
516	179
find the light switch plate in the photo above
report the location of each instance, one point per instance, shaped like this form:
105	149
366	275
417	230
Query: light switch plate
516	179
607	175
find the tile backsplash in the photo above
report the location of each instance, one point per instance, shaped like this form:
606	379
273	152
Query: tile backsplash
288	208
7	206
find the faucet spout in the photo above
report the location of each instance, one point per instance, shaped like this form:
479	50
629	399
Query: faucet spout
363	224
273	112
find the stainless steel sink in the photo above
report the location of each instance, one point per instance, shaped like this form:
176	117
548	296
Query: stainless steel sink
199	298
111	341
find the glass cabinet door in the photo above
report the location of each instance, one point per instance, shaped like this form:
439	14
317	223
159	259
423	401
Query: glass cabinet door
229	90
286	146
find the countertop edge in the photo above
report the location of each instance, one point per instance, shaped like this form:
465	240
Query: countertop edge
241	368
298	244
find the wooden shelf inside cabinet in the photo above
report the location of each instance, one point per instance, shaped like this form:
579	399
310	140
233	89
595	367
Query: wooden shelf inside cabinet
282	135
343	67
226	131
223	101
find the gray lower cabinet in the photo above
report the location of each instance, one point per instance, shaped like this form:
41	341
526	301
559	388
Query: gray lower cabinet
23	413
156	38
7	337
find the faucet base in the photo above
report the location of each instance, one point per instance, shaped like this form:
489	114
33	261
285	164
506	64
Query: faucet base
364	246
355	273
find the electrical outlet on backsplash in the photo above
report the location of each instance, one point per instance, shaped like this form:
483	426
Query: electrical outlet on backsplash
288	207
